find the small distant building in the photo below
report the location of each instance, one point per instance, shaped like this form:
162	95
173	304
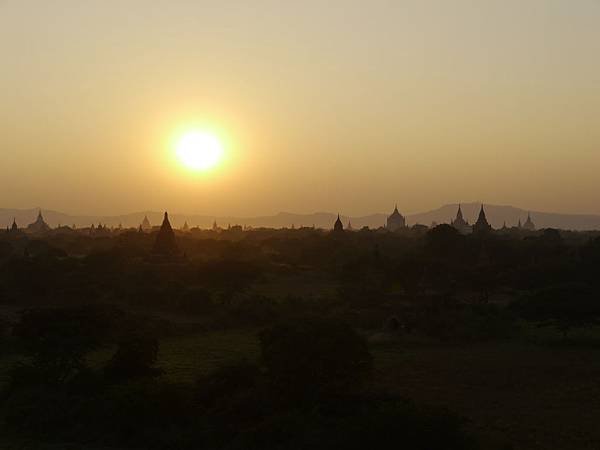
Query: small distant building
349	227
14	228
39	226
338	227
101	230
460	224
529	225
482	226
215	227
395	221
146	227
185	227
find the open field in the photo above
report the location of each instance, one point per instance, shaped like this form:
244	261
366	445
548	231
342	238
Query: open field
543	395
531	396
536	392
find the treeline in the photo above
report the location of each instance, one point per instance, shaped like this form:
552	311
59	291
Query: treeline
438	282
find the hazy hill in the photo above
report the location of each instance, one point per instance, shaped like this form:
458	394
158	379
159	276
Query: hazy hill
497	215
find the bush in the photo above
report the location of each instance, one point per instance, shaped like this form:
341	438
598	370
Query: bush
308	358
57	339
229	379
135	358
197	301
563	307
471	323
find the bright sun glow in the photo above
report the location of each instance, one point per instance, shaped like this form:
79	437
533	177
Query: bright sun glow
198	150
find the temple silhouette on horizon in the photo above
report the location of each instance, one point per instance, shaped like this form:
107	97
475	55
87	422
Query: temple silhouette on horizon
165	243
396	222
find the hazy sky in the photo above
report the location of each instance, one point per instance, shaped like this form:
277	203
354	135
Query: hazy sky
346	106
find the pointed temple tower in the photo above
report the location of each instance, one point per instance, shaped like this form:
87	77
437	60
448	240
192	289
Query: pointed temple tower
39	226
395	221
482	226
529	225
145	226
338	227
165	244
460	224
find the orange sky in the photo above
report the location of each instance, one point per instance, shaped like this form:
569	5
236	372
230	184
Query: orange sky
345	106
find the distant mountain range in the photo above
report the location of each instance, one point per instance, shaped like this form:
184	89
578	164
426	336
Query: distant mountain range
496	214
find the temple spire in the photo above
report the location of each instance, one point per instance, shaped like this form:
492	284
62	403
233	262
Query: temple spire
338	226
165	243
482	225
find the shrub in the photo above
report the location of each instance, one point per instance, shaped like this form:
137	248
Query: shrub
308	358
134	358
563	307
57	339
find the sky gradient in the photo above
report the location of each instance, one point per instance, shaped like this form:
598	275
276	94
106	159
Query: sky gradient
346	106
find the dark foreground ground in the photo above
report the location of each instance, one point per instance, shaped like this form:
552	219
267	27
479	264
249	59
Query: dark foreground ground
534	392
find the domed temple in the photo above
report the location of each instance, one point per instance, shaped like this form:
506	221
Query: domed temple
395	221
529	225
39	226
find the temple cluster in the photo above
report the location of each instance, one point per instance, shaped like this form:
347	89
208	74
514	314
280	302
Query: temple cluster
397	222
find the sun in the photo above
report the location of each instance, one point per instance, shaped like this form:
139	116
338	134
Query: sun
199	150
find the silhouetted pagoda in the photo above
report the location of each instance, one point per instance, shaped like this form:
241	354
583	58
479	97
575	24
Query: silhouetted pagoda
460	224
165	244
146	226
529	225
186	227
14	228
338	227
395	221
39	226
482	225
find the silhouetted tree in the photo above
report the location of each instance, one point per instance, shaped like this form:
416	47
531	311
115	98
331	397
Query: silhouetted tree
312	357
57	339
445	241
563	306
134	358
